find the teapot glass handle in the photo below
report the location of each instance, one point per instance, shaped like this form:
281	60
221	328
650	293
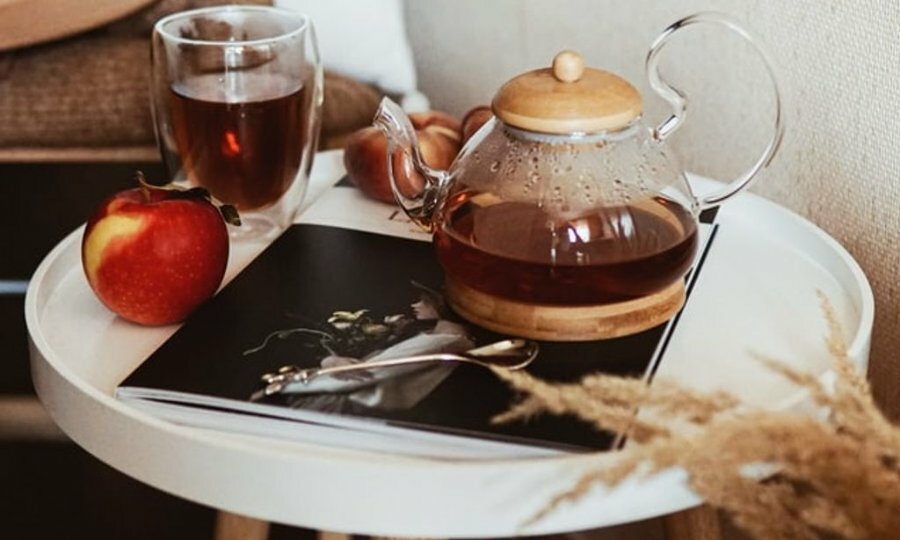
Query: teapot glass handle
679	102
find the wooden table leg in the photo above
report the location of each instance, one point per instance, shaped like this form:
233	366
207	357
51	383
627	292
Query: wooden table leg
404	538
236	527
700	523
328	535
325	535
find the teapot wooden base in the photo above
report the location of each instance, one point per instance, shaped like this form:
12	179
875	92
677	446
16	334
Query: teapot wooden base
564	323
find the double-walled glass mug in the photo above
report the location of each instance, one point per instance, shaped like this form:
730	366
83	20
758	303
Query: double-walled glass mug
237	97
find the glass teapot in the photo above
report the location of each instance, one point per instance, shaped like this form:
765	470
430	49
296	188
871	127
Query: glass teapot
564	200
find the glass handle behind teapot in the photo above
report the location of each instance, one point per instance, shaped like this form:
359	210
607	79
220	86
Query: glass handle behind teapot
679	102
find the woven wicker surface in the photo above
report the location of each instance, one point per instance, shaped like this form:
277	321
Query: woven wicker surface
81	92
92	90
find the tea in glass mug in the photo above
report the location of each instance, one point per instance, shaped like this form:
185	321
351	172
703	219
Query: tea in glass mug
237	93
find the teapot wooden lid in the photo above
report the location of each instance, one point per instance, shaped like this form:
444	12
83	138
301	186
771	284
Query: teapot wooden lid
567	98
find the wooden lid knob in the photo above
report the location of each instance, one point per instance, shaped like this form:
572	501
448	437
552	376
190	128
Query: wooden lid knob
568	66
567	98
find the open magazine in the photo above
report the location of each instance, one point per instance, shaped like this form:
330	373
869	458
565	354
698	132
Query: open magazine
354	281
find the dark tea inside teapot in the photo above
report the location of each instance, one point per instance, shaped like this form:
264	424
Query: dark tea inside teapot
521	252
564	217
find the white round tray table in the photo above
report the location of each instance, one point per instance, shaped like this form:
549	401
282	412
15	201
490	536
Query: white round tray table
757	291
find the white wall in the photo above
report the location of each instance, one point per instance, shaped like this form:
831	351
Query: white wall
840	69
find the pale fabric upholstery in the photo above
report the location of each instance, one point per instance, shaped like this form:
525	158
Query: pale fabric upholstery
364	40
840	67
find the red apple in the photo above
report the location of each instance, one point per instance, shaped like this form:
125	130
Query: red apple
473	120
365	155
152	255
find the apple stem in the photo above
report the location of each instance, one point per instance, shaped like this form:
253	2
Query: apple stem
229	213
145	187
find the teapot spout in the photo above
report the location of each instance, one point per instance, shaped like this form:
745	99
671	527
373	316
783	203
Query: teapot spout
418	188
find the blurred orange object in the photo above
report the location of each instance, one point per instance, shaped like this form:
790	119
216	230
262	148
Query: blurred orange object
26	22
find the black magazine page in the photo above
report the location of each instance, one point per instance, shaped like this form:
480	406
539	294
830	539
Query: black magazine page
321	295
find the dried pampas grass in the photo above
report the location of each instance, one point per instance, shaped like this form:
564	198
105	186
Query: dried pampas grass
777	474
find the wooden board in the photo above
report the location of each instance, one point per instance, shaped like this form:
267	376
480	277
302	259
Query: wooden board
564	323
27	22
